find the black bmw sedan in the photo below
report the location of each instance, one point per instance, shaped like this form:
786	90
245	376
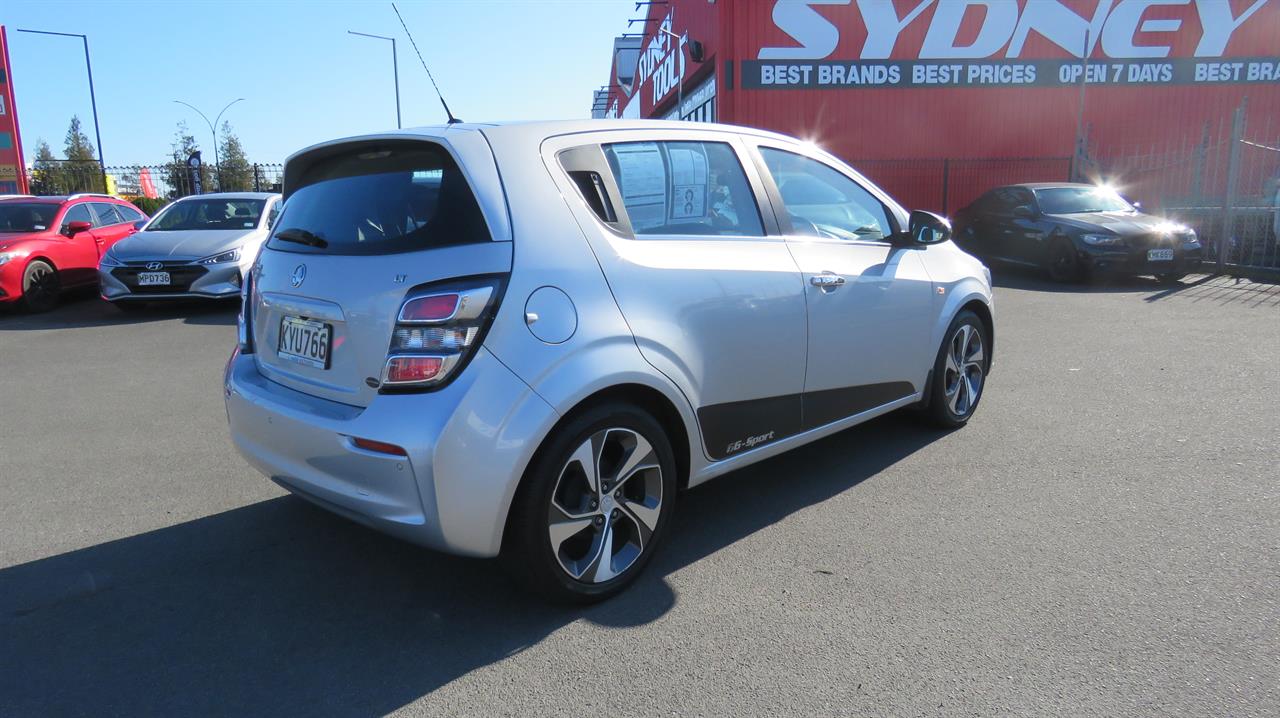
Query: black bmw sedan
1074	231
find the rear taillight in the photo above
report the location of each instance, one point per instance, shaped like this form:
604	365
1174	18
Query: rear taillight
437	330
244	322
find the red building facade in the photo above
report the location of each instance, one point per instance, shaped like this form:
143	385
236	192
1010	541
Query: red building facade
938	100
13	180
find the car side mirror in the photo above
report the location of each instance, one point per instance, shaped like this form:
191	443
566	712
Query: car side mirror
925	228
71	229
1023	211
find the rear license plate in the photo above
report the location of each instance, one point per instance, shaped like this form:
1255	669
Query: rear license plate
1159	255
305	341
152	279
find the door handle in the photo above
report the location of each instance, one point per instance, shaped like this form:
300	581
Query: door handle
826	280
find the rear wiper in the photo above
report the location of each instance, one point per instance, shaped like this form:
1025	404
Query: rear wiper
301	236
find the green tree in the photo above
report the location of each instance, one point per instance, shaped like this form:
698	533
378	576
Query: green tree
176	174
78	146
82	170
47	175
235	173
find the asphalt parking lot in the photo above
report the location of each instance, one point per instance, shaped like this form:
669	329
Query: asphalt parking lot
1102	539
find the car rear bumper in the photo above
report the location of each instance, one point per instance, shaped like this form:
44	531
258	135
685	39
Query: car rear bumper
216	281
466	448
1135	261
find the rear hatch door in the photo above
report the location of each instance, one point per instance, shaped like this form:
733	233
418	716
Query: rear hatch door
365	223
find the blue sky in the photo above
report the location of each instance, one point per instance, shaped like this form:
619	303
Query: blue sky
304	78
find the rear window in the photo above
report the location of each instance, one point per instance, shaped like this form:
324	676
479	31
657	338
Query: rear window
684	188
380	201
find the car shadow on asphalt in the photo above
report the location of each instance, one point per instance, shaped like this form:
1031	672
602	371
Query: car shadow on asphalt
1011	276
281	608
1211	288
86	309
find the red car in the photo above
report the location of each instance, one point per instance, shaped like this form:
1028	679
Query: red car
48	244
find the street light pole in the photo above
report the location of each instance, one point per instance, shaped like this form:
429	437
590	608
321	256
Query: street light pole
213	128
93	100
395	68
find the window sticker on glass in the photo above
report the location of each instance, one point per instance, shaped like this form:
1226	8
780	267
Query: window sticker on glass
684	188
689	182
643	183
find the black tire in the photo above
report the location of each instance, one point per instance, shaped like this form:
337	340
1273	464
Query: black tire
1170	277
41	287
1064	264
527	552
130	307
940	409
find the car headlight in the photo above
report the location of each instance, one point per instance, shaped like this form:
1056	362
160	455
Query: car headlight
1189	239
6	256
1102	240
109	260
231	255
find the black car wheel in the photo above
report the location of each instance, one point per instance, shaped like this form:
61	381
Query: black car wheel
1064	265
594	506
40	287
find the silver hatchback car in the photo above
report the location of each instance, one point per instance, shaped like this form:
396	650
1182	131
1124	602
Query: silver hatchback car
524	340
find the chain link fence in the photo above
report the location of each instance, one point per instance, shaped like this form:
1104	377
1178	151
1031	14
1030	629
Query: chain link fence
167	181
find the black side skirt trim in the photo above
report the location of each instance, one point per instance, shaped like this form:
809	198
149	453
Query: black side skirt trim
736	426
824	407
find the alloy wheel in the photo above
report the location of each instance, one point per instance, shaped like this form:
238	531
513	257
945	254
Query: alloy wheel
1062	263
41	288
964	369
606	505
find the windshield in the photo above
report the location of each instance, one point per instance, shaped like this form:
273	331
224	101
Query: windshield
1075	200
27	216
209	214
401	198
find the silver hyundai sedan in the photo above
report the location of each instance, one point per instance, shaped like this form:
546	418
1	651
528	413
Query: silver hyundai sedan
524	340
198	246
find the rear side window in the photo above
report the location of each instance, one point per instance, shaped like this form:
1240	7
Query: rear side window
129	213
684	188
106	214
379	200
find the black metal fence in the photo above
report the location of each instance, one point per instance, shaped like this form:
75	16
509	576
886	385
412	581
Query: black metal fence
166	181
1225	183
946	184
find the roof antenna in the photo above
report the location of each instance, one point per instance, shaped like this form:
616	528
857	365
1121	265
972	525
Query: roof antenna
452	119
